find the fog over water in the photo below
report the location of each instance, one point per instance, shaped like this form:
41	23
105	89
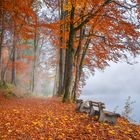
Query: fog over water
114	85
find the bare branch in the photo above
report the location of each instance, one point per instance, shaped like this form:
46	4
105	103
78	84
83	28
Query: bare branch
125	6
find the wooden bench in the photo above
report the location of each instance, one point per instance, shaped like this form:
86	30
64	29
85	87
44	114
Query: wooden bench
94	109
102	115
107	116
82	106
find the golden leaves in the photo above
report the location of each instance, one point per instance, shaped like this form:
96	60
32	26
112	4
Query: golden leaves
61	136
37	123
68	6
50	119
16	111
111	132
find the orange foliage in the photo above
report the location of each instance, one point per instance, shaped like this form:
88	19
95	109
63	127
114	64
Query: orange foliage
20	66
24	47
110	28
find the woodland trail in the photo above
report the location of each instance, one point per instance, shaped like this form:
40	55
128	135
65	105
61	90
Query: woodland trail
50	119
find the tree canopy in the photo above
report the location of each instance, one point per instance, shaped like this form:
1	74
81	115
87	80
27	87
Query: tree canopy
70	38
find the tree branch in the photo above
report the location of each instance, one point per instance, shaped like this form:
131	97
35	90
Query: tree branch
124	5
92	15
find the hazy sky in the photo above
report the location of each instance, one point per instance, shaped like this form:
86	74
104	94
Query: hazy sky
114	85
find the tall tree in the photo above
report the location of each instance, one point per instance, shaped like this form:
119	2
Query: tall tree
18	16
1	31
62	15
109	33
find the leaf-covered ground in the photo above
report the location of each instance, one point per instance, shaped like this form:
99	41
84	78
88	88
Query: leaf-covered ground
49	119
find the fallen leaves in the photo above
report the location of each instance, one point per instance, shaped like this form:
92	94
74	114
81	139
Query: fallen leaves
111	132
50	119
38	123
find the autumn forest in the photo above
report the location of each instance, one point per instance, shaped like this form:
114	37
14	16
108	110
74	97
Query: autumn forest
63	41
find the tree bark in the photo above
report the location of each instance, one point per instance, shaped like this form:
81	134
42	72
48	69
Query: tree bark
34	61
61	72
13	76
65	71
55	87
1	34
79	68
61	51
14	62
70	60
77	58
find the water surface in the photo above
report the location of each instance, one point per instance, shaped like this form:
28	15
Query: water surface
114	85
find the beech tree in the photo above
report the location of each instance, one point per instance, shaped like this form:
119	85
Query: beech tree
17	16
97	32
79	35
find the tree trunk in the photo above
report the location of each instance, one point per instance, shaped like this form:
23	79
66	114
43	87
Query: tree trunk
55	87
65	71
34	61
61	72
13	76
77	60
33	77
5	67
69	73
61	51
79	68
70	60
1	34
83	57
14	62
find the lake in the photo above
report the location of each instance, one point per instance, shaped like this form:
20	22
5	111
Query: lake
114	85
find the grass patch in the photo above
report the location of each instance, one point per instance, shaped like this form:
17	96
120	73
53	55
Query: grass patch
8	90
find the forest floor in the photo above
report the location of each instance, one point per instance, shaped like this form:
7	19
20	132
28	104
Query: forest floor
50	119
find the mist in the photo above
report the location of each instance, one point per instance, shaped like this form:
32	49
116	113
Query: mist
114	85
